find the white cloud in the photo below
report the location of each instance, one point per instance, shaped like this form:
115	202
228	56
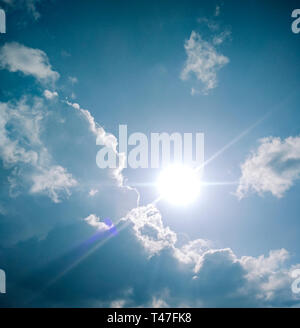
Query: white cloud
96	222
16	57
50	94
149	229
203	61
262	265
217	10
192	252
24	152
93	192
108	140
104	138
154	236
118	304
53	180
220	273
158	303
269	275
273	167
27	124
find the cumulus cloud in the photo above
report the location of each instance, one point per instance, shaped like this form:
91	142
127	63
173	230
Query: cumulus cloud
269	276
203	61
149	229
266	279
24	152
217	274
192	252
202	275
262	265
273	167
50	94
96	222
53	180
108	140
191	274
103	138
16	57
27	127
148	226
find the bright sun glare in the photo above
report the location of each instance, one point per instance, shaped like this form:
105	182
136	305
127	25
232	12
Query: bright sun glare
179	184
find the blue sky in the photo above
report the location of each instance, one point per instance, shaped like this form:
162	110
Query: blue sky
228	69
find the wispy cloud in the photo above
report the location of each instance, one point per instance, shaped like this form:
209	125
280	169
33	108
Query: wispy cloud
217	10
93	192
29	5
203	61
221	37
273	167
73	79
53	180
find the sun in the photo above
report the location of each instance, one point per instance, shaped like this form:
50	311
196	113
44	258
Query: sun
179	184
